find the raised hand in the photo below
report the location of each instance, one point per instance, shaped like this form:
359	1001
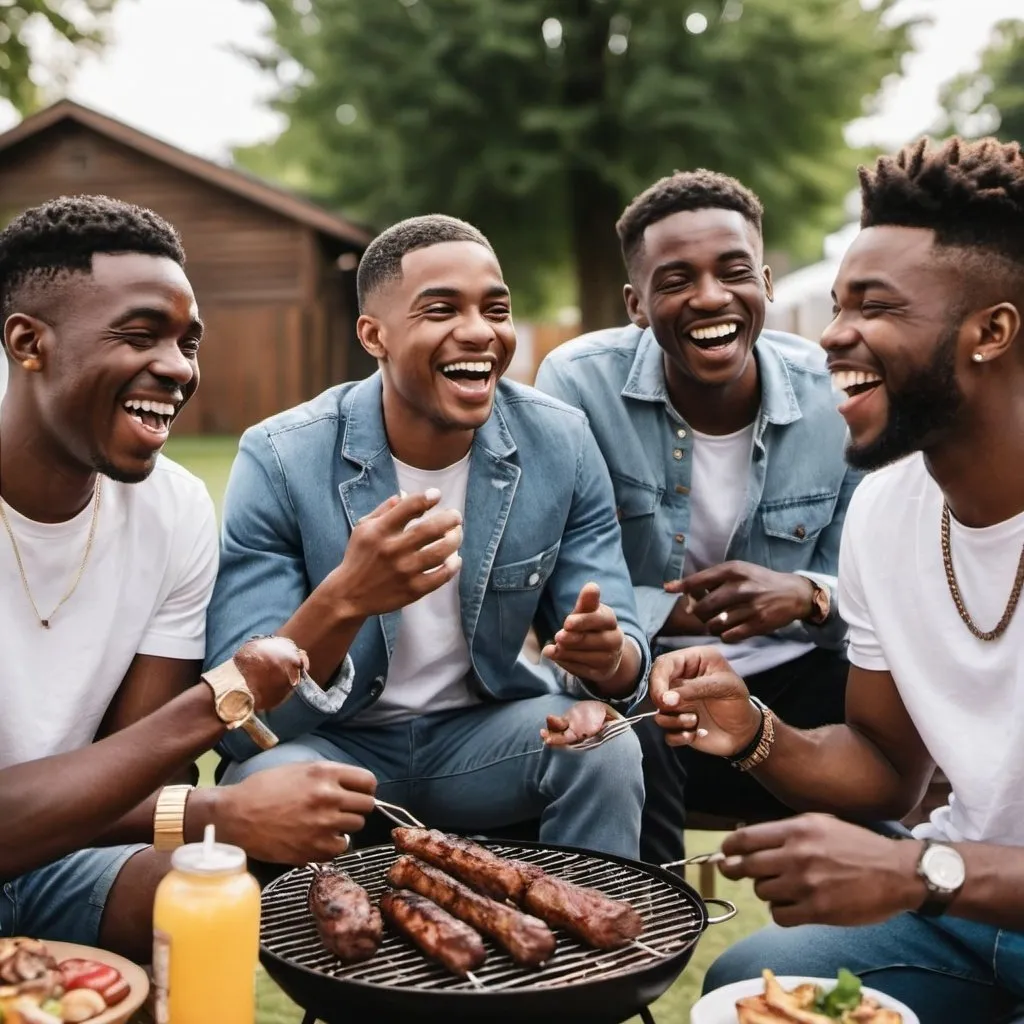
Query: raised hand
703	703
295	813
738	600
815	869
401	551
585	718
590	643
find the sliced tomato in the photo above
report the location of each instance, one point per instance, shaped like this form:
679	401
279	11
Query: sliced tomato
101	978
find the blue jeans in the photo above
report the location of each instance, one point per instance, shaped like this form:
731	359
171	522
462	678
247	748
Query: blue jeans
485	767
947	970
63	901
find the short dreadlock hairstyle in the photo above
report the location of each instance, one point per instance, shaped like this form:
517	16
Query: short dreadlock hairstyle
61	237
681	191
971	194
382	261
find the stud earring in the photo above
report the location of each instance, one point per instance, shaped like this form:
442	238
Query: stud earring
978	357
31	363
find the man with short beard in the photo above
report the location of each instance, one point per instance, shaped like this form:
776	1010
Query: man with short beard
928	344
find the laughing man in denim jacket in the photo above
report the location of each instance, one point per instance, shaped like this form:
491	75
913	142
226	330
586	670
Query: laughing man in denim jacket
726	455
406	531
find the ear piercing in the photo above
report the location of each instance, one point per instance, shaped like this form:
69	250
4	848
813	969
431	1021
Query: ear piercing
978	357
31	363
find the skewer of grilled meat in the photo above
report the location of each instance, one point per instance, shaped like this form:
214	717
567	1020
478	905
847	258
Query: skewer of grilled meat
349	925
528	940
446	939
494	876
591	916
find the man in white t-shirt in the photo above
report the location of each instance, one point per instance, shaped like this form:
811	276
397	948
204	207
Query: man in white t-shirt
726	456
496	499
108	553
928	345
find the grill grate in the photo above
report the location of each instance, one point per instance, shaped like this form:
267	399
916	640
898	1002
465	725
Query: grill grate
672	923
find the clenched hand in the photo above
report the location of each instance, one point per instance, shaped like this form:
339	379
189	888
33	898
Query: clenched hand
295	813
585	718
815	869
703	703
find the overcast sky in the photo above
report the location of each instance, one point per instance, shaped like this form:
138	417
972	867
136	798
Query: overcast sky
169	70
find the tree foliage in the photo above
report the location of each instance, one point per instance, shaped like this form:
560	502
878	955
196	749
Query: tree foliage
991	99
74	21
538	120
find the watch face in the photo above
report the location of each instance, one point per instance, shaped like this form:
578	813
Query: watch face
234	705
943	867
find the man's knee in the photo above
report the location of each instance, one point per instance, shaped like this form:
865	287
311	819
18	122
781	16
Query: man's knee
615	767
283	753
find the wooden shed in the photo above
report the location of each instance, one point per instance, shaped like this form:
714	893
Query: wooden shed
274	274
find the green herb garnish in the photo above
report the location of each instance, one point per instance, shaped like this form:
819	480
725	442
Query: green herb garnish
845	996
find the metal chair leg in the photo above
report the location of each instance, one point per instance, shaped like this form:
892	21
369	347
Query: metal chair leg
646	1016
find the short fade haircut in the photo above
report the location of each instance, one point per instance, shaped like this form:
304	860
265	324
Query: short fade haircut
971	194
682	191
61	237
382	261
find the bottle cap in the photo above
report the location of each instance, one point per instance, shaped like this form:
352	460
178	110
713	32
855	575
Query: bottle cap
208	857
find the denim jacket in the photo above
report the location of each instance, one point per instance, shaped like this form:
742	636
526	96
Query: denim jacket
798	488
539	524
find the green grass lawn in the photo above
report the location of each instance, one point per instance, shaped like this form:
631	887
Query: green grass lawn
210	458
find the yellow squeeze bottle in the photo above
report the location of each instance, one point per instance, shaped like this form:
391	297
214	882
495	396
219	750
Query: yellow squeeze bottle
206	933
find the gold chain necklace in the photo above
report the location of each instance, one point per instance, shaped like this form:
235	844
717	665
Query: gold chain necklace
954	587
45	623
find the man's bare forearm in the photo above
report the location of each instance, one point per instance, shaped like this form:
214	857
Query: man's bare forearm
137	825
59	804
324	627
837	770
993	892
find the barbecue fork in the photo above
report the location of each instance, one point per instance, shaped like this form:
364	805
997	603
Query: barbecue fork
616	727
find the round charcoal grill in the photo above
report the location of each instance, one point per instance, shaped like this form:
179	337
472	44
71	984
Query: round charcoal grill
578	984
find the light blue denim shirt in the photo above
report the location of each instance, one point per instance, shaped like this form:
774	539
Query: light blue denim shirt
799	484
539	524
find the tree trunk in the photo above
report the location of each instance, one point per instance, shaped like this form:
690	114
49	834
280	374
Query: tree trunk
594	203
600	273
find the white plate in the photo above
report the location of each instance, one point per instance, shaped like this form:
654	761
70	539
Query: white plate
719	1007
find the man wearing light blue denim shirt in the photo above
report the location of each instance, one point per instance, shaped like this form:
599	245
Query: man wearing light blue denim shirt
727	461
407	530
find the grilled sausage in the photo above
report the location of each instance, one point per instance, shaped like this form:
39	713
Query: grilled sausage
443	938
349	924
592	917
528	940
494	876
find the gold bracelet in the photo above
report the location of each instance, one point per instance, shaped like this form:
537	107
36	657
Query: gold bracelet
764	746
169	817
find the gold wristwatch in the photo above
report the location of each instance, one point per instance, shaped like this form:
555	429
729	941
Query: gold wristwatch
235	705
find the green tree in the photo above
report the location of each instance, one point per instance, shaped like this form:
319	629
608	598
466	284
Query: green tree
75	21
539	119
991	99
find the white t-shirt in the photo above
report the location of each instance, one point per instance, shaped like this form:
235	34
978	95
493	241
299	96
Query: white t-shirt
965	696
144	590
430	663
718	493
